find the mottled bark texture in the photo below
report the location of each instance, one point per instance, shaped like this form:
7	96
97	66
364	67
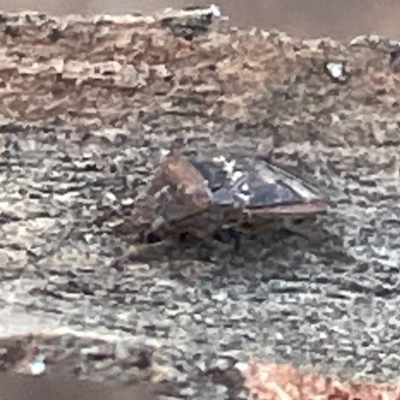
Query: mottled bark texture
87	108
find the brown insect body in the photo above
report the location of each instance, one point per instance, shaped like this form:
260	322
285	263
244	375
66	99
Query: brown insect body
198	195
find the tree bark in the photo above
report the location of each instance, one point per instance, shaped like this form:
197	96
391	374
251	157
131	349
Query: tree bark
87	108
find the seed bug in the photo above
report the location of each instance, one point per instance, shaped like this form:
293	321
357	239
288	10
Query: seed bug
198	195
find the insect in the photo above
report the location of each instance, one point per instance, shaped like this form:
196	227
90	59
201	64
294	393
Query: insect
196	195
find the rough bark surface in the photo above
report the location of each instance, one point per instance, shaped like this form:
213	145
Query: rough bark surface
88	106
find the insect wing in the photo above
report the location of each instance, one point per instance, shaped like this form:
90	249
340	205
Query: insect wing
244	182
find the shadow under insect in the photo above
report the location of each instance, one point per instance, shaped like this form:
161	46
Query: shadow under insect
224	197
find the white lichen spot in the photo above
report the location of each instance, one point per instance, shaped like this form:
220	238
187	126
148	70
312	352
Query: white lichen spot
229	167
243	196
219	160
215	11
38	366
243	192
164	153
245	187
335	69
111	197
236	175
